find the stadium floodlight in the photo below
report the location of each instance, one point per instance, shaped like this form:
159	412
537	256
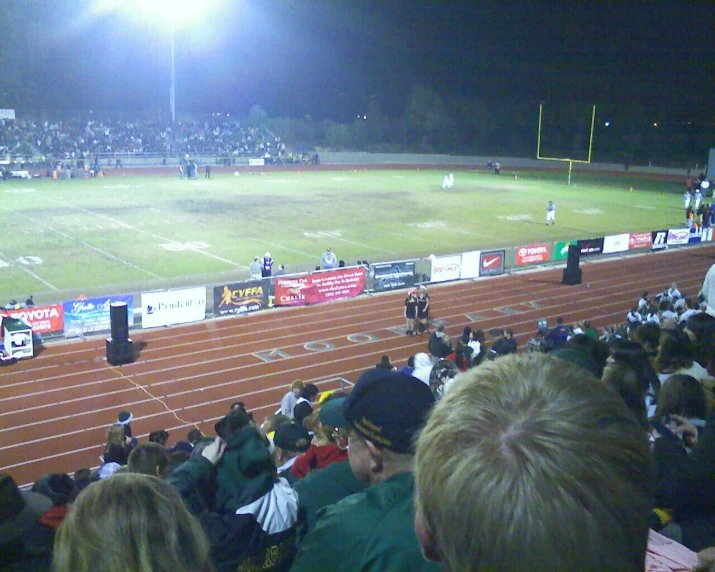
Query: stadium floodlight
568	160
175	14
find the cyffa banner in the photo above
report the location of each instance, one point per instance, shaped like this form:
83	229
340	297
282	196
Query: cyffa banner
42	319
240	297
394	275
445	268
91	315
491	263
320	287
173	307
532	254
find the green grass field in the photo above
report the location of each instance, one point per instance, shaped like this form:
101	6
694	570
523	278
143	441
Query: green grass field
128	234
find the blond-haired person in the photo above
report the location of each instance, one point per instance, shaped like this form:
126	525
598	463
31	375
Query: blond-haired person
529	463
130	522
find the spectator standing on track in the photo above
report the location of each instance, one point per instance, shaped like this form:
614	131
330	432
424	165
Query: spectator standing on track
256	269
423	304
328	261
497	168
374	529
410	312
207	169
267	267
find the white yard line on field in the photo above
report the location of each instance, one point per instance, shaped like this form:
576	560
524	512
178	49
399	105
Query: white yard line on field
147	232
87	245
31	273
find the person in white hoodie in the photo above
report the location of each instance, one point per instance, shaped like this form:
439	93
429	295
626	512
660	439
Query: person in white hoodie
423	367
708	290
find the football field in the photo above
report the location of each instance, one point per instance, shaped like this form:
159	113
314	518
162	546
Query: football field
62	238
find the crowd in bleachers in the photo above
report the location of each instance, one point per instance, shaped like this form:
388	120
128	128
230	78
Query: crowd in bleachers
72	140
468	457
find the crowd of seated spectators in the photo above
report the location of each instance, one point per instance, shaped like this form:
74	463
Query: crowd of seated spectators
351	481
82	140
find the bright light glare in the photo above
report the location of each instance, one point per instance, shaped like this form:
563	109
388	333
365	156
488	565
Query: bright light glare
182	13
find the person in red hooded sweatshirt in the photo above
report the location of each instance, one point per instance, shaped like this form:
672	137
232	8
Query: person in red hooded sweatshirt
323	448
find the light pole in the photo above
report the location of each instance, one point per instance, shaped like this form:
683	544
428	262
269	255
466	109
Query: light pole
172	88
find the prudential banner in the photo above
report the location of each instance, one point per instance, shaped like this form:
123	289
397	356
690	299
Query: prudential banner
173	307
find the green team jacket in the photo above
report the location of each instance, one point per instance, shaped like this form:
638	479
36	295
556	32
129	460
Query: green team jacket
372	530
323	487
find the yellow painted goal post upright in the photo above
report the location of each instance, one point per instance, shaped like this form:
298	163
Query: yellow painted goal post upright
568	160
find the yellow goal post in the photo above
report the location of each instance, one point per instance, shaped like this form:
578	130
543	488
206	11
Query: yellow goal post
568	160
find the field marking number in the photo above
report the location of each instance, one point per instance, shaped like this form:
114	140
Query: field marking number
29	260
182	246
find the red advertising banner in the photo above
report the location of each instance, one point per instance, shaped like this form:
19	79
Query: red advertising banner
42	319
532	254
640	240
320	287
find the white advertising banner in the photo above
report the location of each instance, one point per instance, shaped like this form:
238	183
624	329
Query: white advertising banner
446	268
173	307
678	236
470	264
7	114
616	243
256	162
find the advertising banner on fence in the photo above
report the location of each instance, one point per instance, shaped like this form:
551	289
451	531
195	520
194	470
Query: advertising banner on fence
91	315
491	263
42	319
470	264
532	254
320	287
700	235
561	250
445	268
241	297
659	239
173	307
590	246
616	243
394	275
640	240
678	236
256	162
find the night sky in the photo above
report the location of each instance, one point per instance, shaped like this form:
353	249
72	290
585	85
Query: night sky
325	58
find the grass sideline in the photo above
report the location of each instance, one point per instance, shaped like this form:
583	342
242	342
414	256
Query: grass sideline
116	235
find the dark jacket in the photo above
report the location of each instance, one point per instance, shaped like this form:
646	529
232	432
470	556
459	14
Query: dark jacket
324	487
370	530
235	503
438	347
686	483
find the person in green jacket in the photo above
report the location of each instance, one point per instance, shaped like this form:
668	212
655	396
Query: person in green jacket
374	529
324	487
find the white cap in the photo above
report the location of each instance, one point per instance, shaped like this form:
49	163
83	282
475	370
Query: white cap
267	255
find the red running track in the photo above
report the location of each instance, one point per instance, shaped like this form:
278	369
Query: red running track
55	409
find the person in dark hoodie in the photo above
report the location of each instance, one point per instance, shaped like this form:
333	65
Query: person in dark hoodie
232	487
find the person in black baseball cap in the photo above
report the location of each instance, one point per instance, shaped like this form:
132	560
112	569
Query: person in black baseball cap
374	529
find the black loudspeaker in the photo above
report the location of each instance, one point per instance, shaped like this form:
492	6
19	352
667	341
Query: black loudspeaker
572	273
119	319
119	353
